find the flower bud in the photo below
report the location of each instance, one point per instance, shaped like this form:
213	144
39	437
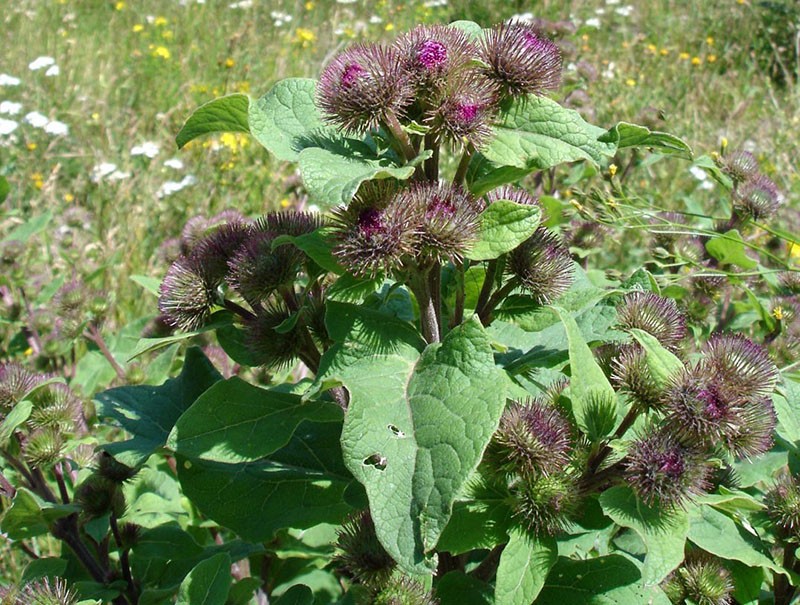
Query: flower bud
739	165
783	505
512	194
44	447
745	365
655	315
116	472
543	265
257	270
757	198
402	590
543	506
97	496
631	373
186	295
701	580
15	383
268	347
359	555
45	592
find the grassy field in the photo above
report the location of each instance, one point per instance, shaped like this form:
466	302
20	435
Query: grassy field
129	73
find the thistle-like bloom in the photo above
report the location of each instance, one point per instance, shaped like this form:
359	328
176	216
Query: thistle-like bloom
739	165
701	580
783	505
655	315
15	383
45	592
290	222
466	110
543	265
97	496
520	60
55	406
741	363
402	590
533	439
193	231
662	470
359	554
116	472
268	347
257	270
631	373
512	194
363	86
543	506
757	198
187	294
373	233
215	251
435	55
444	219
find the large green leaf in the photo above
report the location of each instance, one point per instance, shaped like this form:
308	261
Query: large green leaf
148	413
663	532
786	401
661	362
225	114
234	421
416	426
594	402
286	120
208	583
299	485
729	248
537	133
458	587
504	225
296	595
29	228
609	580
30	516
484	175
524	565
625	134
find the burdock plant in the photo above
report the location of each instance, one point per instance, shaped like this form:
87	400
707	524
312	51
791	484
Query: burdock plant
428	400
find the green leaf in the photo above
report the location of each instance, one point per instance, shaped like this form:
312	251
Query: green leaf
208	583
504	225
150	284
729	249
225	114
416	426
537	133
661	362
30	516
45	567
242	592
218	321
625	134
317	246
594	401
29	228
149	413
300	485
222	422
332	175
524	565
19	414
663	532
483	175
786	401
472	29
609	580
5	189
720	535
286	119
458	587
296	595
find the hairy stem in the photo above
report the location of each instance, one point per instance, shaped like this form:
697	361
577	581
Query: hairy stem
93	334
237	309
463	164
596	460
428	317
62	486
488	284
392	124
485	314
432	163
133	593
458	311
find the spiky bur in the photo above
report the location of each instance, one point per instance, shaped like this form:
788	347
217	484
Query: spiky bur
43	447
47	592
512	194
466	111
543	265
15	382
55	405
654	314
291	222
701	580
783	505
533	439
402	590
373	232
434	55
665	472
359	555
97	496
586	235
739	165
363	86
520	60
544	505
631	374
444	220
267	346
187	294
757	198
116	472
664	227
741	363
257	270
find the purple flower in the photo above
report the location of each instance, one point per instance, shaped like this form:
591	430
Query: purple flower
742	364
757	198
543	265
656	315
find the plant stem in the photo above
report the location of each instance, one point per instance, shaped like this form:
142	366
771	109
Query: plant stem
393	126
463	164
599	457
458	312
93	334
488	566
62	486
485	314
488	284
133	593
428	318
432	163
5	486
238	309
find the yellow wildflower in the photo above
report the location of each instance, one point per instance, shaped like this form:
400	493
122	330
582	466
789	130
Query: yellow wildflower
229	62
37	179
696	61
389	27
160	21
234	141
630	82
710	41
309	6
304	37
612	169
120	5
138	28
777	313
31	146
684	56
711	58
167	34
664	52
162	51
69	198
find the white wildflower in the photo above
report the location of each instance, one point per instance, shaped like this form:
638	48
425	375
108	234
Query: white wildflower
171	187
36	119
7	126
10	108
52	71
174	163
56	128
148	148
41	62
624	11
102	170
241	4
6	80
593	22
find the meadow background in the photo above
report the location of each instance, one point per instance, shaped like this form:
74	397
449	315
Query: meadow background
92	94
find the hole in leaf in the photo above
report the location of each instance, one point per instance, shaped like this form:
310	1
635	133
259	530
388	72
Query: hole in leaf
377	461
396	431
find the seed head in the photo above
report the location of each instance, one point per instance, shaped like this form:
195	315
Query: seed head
268	347
663	471
45	592
543	506
44	447
741	363
739	165
15	383
701	580
783	505
757	198
214	252
520	60
655	315
116	472
257	270
186	295
193	231
444	219
98	496
362	86
359	555
55	406
533	439
402	590
631	373
753	432
289	222
543	265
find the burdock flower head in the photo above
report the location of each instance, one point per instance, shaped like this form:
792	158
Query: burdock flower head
187	294
372	233
664	471
543	265
631	372
46	592
359	554
363	86
783	506
444	219
741	363
739	165
268	346
533	439
402	590
655	315
520	60
702	580
257	270
512	194
435	55
15	383
543	506
757	198
466	110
